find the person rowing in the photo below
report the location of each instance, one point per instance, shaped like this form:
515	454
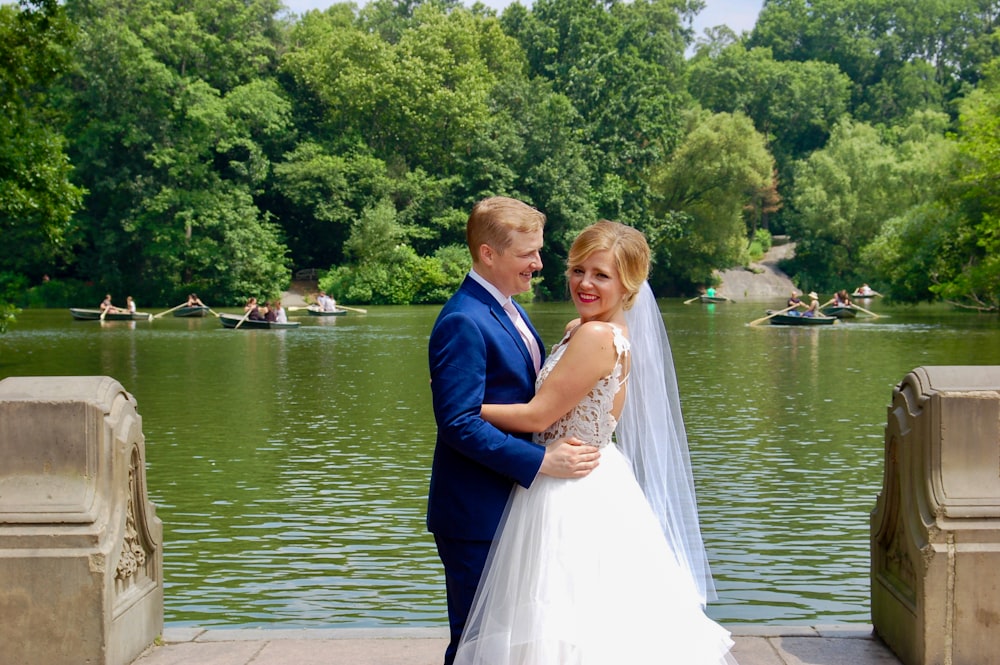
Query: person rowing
107	307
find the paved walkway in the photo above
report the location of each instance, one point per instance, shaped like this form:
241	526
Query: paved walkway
755	645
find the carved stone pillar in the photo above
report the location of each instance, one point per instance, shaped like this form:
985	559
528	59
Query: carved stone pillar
935	530
81	562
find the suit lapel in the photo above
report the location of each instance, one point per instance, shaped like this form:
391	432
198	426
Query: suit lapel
504	319
496	311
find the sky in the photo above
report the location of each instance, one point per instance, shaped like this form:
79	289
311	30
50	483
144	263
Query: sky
739	15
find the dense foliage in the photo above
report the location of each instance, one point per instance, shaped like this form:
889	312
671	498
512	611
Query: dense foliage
37	197
157	147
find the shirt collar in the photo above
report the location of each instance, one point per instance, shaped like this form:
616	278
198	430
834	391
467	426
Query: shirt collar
494	291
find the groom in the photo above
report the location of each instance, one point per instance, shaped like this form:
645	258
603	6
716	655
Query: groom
483	350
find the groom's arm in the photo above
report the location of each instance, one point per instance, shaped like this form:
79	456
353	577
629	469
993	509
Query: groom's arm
461	366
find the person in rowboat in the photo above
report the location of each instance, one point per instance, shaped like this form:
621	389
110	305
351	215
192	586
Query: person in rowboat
794	302
279	313
865	290
106	305
253	309
813	309
326	303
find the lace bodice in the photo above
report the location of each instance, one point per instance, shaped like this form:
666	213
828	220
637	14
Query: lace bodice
591	420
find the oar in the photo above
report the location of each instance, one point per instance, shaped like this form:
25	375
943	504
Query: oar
691	300
339	306
243	319
765	318
819	310
170	310
872	314
213	311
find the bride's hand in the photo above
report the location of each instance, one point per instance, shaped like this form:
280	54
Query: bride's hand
569	458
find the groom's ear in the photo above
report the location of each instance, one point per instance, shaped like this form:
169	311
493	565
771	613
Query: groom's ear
486	254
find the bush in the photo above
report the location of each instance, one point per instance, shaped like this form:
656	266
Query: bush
12	286
763	236
403	279
62	293
8	314
759	244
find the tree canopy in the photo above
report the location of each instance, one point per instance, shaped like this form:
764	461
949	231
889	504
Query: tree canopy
158	147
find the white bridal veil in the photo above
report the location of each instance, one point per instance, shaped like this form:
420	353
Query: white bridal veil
651	435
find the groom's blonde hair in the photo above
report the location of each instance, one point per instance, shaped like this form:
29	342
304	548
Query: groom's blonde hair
494	219
626	244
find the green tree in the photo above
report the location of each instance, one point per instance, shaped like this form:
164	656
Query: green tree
794	104
554	175
902	55
415	96
713	175
437	101
845	194
912	251
963	249
172	162
621	65
323	191
37	197
385	269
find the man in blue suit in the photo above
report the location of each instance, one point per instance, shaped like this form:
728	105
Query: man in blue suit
481	352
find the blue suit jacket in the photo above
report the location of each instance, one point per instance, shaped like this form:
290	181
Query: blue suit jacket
476	357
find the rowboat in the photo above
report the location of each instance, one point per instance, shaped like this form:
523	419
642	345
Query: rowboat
712	299
791	320
193	311
81	314
839	312
314	310
230	321
870	294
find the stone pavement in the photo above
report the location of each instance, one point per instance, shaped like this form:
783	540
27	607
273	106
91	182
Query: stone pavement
755	645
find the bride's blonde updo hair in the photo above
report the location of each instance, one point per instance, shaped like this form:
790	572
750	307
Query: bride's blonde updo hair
627	245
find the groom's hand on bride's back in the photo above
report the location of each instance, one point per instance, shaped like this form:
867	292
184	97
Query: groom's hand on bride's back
569	458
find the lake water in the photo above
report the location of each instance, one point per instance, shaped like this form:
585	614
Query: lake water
290	467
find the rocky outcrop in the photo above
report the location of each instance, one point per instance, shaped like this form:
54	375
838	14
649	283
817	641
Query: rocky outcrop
759	281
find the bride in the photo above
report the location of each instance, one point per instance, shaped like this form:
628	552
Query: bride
609	568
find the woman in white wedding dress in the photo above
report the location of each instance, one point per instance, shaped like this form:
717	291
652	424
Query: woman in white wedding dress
610	568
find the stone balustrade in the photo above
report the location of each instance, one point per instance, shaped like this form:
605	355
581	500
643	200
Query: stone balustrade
935	530
81	559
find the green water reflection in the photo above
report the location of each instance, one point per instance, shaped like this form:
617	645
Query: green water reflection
290	467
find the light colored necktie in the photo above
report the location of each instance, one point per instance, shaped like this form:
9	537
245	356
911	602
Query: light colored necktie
522	327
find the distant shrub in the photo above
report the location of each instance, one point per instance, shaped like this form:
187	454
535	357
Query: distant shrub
759	244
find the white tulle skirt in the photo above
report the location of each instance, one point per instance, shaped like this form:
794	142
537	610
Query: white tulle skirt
581	574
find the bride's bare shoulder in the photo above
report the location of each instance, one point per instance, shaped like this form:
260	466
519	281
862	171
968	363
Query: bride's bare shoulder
594	333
